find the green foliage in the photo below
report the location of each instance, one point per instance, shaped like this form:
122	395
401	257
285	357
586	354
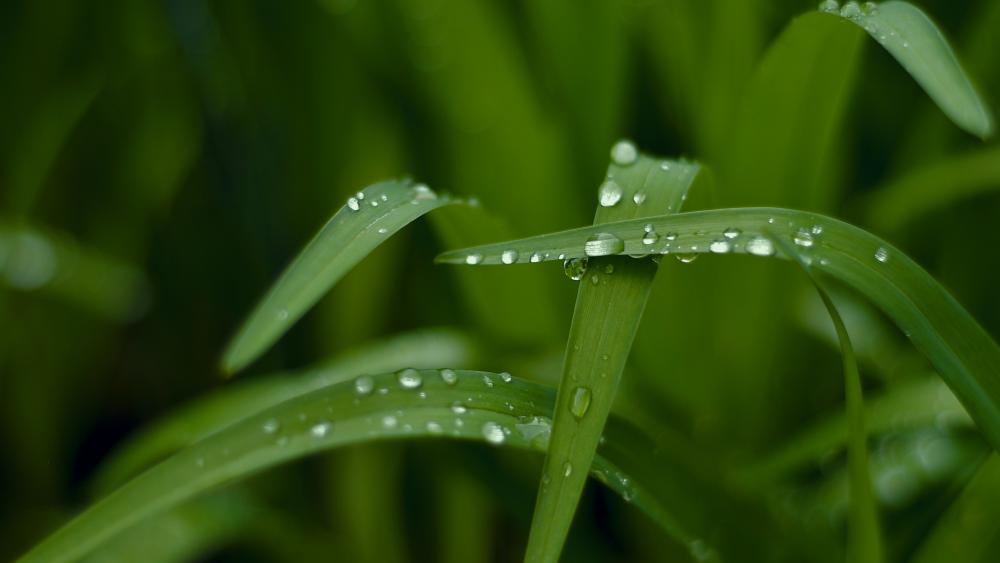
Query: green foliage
157	176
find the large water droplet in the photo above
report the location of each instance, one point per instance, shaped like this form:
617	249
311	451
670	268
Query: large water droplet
851	11
508	256
580	402
760	246
493	432
364	385
421	191
882	254
575	268
609	194
603	244
624	153
353	204
449	376
650	237
409	378
473	259
535	257
720	246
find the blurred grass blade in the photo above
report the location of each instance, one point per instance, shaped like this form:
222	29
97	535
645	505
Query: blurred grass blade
968	531
966	356
919	46
864	538
610	301
52	264
207	415
455	404
934	187
353	232
923	402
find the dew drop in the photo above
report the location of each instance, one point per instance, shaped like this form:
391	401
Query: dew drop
567	469
536	258
580	402
320	430
731	233
271	426
816	230
686	257
360	195
650	237
670	236
882	254
508	256
409	378
389	421
803	237
851	10
434	427
720	246
488	381
829	6
352	204
473	259
421	191
506	377
639	197
575	268
458	408
603	244
382	230
449	376
609	194
624	153
364	385
665	166
595	279
282	314
760	246
493	432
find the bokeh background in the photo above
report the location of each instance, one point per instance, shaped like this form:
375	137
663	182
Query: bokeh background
161	162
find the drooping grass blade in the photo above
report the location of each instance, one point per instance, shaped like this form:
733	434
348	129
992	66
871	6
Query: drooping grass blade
209	414
864	537
455	404
967	358
609	306
920	47
368	218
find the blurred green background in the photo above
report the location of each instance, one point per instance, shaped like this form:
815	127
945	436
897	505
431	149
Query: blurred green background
162	161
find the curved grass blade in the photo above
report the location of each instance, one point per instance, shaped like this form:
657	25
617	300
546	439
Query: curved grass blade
920	47
864	538
369	218
455	404
207	415
934	187
610	301
961	351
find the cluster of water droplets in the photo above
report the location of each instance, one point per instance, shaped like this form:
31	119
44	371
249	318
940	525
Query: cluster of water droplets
418	193
851	10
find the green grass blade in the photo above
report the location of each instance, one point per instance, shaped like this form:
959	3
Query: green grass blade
609	306
207	415
864	538
923	402
920	47
968	531
353	232
966	356
933	187
465	405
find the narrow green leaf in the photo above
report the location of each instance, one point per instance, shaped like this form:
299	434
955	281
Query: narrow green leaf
353	232
209	414
968	531
466	405
864	538
933	187
919	46
961	351
610	301
923	402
